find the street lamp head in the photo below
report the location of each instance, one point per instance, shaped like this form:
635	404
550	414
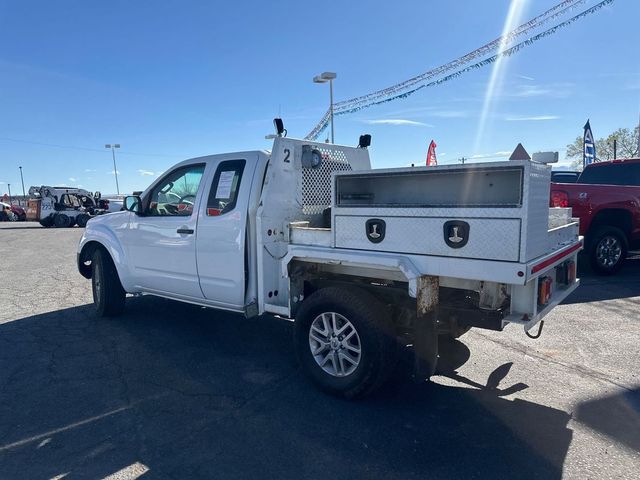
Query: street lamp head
115	145
108	145
324	77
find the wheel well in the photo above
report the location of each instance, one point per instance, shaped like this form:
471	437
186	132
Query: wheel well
85	256
612	217
392	294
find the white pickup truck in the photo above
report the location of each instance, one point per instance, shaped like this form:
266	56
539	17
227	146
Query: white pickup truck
367	262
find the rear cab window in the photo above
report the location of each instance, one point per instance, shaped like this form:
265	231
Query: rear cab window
225	187
619	173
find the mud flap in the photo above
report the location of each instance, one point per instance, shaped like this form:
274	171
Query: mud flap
425	342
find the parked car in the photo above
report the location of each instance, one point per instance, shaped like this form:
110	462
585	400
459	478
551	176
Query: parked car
20	214
606	198
561	176
111	205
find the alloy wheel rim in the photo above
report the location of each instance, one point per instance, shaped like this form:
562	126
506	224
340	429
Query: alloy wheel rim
335	344
608	251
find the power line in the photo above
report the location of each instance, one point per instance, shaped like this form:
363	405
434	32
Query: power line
399	90
88	149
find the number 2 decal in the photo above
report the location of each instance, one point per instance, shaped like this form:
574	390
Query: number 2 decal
287	153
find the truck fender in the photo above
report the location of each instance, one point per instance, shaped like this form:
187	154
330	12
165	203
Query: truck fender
379	260
100	236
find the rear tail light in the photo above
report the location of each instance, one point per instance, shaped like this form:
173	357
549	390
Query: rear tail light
559	199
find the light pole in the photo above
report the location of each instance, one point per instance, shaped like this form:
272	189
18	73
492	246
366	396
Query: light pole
9	187
24	195
324	78
115	169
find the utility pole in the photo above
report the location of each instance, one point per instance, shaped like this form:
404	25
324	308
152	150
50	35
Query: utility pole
615	148
9	187
24	195
462	160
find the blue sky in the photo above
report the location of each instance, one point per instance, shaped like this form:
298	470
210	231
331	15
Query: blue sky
175	79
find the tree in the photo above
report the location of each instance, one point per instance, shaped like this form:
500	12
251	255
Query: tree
627	147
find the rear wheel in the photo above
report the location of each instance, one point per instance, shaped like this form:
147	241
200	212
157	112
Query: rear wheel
60	220
344	341
608	250
108	294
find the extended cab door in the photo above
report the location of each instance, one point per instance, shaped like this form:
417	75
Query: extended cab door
222	230
162	242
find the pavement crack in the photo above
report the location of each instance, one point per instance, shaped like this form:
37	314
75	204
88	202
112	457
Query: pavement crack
582	370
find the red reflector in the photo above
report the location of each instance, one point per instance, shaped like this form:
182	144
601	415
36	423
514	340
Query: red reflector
555	258
213	212
559	199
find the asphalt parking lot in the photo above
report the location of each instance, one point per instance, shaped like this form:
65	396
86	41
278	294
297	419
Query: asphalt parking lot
181	392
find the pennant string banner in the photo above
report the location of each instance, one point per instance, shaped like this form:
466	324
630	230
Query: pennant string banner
554	12
396	92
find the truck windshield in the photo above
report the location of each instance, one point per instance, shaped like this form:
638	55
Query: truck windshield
612	174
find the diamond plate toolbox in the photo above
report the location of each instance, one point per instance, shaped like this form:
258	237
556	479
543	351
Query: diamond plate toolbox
489	211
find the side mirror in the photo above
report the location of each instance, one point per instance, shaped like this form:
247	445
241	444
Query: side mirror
133	203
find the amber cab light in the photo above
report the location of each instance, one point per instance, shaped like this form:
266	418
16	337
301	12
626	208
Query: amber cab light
559	199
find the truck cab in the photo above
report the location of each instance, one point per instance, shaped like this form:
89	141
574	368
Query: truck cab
367	262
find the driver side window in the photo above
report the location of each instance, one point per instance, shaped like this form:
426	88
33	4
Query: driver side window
176	193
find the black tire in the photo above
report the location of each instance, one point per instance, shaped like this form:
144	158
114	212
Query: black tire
82	220
108	294
375	336
60	220
608	249
22	218
47	222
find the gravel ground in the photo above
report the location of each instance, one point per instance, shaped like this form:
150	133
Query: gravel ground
177	391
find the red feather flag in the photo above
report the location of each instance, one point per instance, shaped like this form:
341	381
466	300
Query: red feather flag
431	154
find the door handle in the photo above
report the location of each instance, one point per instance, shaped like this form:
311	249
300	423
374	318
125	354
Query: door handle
187	231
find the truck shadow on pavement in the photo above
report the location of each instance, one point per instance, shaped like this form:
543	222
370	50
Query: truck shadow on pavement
617	416
192	393
594	288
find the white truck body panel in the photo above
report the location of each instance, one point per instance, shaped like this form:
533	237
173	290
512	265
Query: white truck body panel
242	260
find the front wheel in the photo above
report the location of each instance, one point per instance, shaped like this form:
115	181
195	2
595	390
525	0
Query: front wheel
108	294
344	341
608	250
